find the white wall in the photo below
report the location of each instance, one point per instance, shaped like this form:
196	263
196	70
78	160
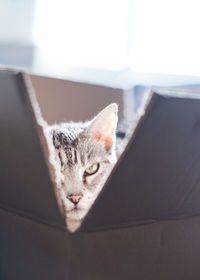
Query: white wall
16	21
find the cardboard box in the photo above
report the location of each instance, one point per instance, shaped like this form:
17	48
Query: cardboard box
145	223
63	100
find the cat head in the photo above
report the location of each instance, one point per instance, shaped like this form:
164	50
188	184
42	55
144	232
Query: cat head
86	155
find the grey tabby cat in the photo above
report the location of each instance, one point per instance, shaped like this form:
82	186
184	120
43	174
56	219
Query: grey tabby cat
85	153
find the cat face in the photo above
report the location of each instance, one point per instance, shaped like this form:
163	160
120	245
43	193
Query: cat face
86	154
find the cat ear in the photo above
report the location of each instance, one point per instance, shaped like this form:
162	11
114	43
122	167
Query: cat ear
103	126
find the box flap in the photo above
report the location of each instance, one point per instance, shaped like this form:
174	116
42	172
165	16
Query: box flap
159	175
26	187
73	101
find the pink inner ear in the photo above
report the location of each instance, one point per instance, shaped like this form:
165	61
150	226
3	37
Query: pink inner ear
108	140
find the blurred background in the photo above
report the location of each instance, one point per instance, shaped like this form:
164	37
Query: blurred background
111	42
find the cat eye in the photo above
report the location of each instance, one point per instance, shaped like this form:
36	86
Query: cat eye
92	169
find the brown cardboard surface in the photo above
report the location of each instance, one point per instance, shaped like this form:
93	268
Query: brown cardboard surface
30	250
159	176
165	250
25	184
62	100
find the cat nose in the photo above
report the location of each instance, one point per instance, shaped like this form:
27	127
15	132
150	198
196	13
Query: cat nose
74	198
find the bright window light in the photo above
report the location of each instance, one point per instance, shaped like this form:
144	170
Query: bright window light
154	36
165	36
85	33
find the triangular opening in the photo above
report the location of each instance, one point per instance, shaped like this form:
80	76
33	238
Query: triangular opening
83	154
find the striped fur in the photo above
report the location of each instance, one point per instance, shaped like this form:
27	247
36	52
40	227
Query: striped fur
76	148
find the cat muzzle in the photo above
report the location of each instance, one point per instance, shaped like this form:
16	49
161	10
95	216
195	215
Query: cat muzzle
74	198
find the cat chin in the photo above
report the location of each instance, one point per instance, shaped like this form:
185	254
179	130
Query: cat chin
73	224
76	214
75	218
